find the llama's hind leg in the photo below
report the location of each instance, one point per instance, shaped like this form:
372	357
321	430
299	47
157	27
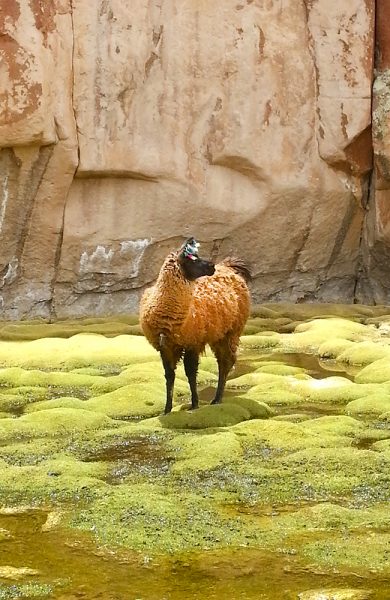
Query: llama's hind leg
169	361
225	353
191	364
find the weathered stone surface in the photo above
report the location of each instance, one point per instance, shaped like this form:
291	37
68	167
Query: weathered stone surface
246	124
39	156
373	283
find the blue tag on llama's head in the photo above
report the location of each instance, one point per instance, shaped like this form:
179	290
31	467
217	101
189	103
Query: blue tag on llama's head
190	249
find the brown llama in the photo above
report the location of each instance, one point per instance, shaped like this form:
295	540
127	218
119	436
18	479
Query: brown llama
195	302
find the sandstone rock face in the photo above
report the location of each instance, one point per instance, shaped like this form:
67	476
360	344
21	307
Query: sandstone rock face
39	150
374	283
127	125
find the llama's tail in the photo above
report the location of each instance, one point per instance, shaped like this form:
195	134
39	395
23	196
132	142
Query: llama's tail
239	266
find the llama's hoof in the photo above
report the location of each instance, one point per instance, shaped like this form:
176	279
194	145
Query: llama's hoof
215	401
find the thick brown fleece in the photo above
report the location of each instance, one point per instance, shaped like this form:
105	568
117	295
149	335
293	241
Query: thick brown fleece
186	314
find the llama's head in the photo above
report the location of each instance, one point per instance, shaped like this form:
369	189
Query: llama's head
191	265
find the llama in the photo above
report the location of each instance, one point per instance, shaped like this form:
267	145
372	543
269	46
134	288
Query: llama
193	303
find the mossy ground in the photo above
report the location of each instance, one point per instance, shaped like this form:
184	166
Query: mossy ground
81	428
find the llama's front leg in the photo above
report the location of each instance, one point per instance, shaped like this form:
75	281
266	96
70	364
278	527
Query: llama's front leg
191	363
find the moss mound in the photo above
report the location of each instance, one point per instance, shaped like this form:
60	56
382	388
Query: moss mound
375	404
204	452
376	372
53	422
364	353
256	410
220	415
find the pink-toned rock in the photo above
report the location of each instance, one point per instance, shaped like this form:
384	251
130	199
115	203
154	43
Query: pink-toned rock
244	123
342	39
39	156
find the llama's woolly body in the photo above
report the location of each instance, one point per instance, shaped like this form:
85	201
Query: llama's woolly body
195	303
191	314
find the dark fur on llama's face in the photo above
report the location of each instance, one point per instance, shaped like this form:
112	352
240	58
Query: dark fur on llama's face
190	263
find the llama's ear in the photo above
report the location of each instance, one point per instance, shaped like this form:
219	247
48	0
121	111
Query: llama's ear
189	249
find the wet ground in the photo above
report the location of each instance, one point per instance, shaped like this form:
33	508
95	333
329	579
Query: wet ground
76	569
70	558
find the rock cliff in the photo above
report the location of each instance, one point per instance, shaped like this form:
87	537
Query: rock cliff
126	125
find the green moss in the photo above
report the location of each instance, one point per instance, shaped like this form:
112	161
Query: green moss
196	452
332	390
334	347
257	410
346	527
345	460
327	517
17	398
382	446
220	415
155	519
53	422
16	376
266	311
360	551
289	390
65	402
251	329
133	401
146	375
58	479
376	372
272	397
304	312
31	451
279	472
374	404
275	368
208	363
292	417
82	350
257	378
260	324
349	471
32	330
284	437
26	590
364	353
309	337
260	341
339	425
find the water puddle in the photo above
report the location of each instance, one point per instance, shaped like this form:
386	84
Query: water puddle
316	367
73	568
143	455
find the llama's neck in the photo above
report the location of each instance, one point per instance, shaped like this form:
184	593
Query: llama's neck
173	292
